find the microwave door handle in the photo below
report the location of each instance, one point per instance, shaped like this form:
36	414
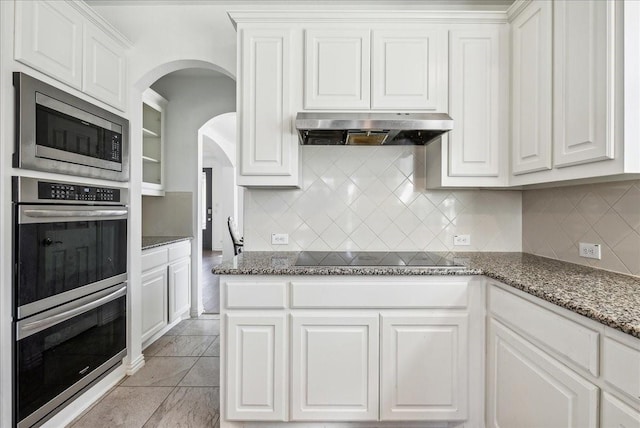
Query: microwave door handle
66	214
36	326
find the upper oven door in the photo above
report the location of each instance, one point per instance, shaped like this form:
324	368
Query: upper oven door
66	252
58	132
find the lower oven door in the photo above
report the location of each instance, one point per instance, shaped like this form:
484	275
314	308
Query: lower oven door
62	351
65	252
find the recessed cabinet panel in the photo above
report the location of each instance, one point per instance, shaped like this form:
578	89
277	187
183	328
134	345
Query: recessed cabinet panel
474	102
255	367
616	414
266	137
337	69
334	367
104	68
409	69
526	387
424	367
49	39
154	302
531	43
583	82
179	288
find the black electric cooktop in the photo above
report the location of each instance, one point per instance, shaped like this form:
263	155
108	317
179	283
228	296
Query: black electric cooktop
374	258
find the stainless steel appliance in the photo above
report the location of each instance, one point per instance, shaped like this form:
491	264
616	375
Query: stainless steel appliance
70	274
58	132
413	259
371	129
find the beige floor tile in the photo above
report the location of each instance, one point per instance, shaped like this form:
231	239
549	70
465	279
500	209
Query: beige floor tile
179	346
214	349
124	407
205	372
196	327
187	408
161	371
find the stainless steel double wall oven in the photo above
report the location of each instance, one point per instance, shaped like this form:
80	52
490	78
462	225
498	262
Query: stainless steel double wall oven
70	249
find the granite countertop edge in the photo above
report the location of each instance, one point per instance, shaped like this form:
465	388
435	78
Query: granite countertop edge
158	241
610	298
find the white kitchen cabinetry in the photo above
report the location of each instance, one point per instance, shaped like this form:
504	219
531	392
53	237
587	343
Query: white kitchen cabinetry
359	349
528	388
423	367
154	302
616	414
337	69
61	39
153	124
475	152
267	142
334	371
256	366
531	142
166	288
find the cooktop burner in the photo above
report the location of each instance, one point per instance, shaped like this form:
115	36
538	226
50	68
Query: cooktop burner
374	258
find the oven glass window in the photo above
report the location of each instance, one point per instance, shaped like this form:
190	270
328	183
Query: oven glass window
63	132
62	256
50	361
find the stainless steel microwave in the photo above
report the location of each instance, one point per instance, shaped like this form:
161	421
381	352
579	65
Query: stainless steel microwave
58	132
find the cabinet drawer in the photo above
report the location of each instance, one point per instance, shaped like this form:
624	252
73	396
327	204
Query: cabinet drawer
621	366
178	251
570	340
388	294
154	257
256	295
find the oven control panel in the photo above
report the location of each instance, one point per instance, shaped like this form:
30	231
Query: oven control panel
75	192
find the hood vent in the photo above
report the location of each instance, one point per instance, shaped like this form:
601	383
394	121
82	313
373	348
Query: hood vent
371	129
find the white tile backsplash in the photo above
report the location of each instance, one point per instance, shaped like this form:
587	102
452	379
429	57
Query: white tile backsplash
373	198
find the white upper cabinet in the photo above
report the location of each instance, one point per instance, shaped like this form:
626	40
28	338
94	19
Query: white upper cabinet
49	39
531	142
583	91
337	69
267	143
61	39
409	70
104	73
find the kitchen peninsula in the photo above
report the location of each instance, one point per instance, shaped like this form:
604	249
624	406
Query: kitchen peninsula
377	343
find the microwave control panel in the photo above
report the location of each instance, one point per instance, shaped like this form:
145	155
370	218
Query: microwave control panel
75	192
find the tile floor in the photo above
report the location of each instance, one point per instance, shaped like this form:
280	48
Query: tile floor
177	387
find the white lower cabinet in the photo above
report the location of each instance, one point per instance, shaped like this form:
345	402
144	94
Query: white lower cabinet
616	414
256	367
334	374
154	302
179	288
528	388
423	367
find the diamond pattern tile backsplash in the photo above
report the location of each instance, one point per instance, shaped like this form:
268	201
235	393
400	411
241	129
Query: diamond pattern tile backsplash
374	198
556	220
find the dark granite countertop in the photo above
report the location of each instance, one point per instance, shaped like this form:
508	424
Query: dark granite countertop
157	241
610	298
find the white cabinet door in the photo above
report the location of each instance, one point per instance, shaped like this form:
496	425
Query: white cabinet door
256	376
424	368
268	145
334	367
409	69
583	82
104	70
179	288
337	69
48	37
154	302
528	388
616	414
475	96
531	140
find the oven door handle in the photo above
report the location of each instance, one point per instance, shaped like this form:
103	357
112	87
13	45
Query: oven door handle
39	213
36	326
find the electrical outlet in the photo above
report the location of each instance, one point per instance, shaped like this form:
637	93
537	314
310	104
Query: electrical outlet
590	251
279	238
462	240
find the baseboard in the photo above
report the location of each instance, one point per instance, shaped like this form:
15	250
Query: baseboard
135	365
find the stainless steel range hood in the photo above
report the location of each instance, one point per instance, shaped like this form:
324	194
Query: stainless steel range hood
371	129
